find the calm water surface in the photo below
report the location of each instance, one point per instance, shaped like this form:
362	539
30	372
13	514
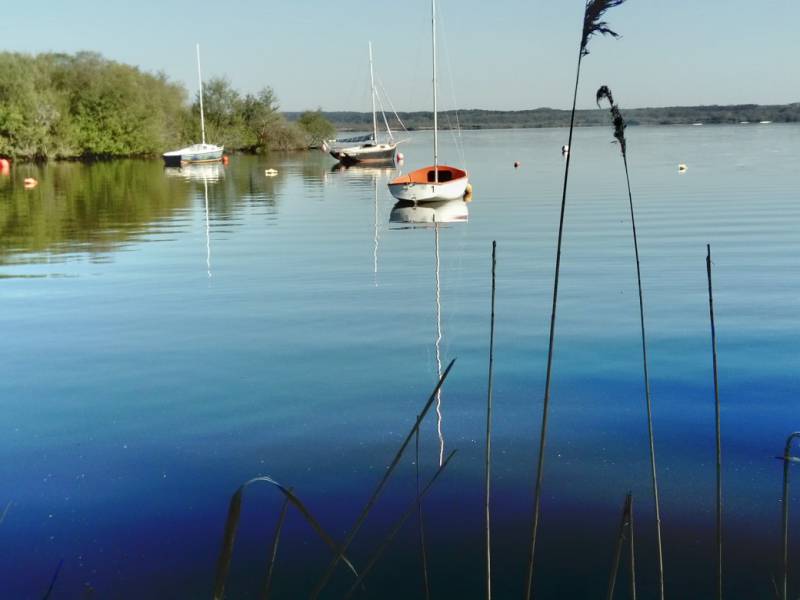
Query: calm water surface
167	337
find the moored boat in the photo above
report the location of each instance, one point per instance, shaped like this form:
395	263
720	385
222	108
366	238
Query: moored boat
370	151
196	153
436	182
439	182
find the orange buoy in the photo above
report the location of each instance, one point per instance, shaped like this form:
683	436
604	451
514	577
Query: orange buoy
29	182
225	160
5	166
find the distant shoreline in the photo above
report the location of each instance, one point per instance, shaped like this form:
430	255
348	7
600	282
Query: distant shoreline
549	117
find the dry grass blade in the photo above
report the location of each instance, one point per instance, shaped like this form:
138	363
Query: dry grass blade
274	552
53	580
397	526
381	484
592	23
232	525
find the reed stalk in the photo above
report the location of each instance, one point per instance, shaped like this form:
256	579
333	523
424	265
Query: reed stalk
788	459
717	422
619	134
625	530
53	580
593	12
232	526
421	524
379	488
488	459
397	526
274	551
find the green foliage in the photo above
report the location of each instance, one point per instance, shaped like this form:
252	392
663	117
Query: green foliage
316	126
251	123
83	105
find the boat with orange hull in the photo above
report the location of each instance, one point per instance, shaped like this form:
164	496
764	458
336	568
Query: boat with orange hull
439	182
436	182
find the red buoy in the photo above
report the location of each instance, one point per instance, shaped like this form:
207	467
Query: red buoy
225	160
5	166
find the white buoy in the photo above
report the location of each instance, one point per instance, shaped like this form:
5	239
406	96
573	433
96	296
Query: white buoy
400	157
271	172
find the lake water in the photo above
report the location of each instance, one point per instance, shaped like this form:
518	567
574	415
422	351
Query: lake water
160	348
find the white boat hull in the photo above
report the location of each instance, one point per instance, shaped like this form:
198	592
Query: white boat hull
419	186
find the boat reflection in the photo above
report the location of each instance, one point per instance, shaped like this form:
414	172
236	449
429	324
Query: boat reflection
209	172
205	173
427	214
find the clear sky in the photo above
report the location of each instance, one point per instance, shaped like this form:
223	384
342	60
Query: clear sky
503	54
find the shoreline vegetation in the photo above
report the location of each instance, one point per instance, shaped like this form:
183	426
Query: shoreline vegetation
83	106
551	117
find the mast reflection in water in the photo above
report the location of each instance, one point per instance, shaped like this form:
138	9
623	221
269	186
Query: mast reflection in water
433	214
205	173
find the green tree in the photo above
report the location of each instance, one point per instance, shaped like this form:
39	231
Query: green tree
316	126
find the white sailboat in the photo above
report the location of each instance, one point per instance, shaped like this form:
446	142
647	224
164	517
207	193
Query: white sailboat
196	153
436	182
371	151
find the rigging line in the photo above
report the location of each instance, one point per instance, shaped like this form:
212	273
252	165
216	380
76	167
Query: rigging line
391	105
385	121
457	139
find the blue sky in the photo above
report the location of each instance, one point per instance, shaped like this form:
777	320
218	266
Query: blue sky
507	54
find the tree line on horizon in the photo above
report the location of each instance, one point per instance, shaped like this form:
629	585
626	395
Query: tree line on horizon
552	117
71	106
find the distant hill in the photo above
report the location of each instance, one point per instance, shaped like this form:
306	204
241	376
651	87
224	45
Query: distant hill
550	117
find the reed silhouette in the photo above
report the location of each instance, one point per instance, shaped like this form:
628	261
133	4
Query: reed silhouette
592	24
604	93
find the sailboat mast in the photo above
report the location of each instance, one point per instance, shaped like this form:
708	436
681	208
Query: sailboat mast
435	109
372	89
200	85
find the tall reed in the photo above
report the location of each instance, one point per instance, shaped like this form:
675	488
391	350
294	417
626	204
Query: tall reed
397	526
273	555
717	422
488	459
379	488
619	134
53	580
421	523
625	530
592	24
788	459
